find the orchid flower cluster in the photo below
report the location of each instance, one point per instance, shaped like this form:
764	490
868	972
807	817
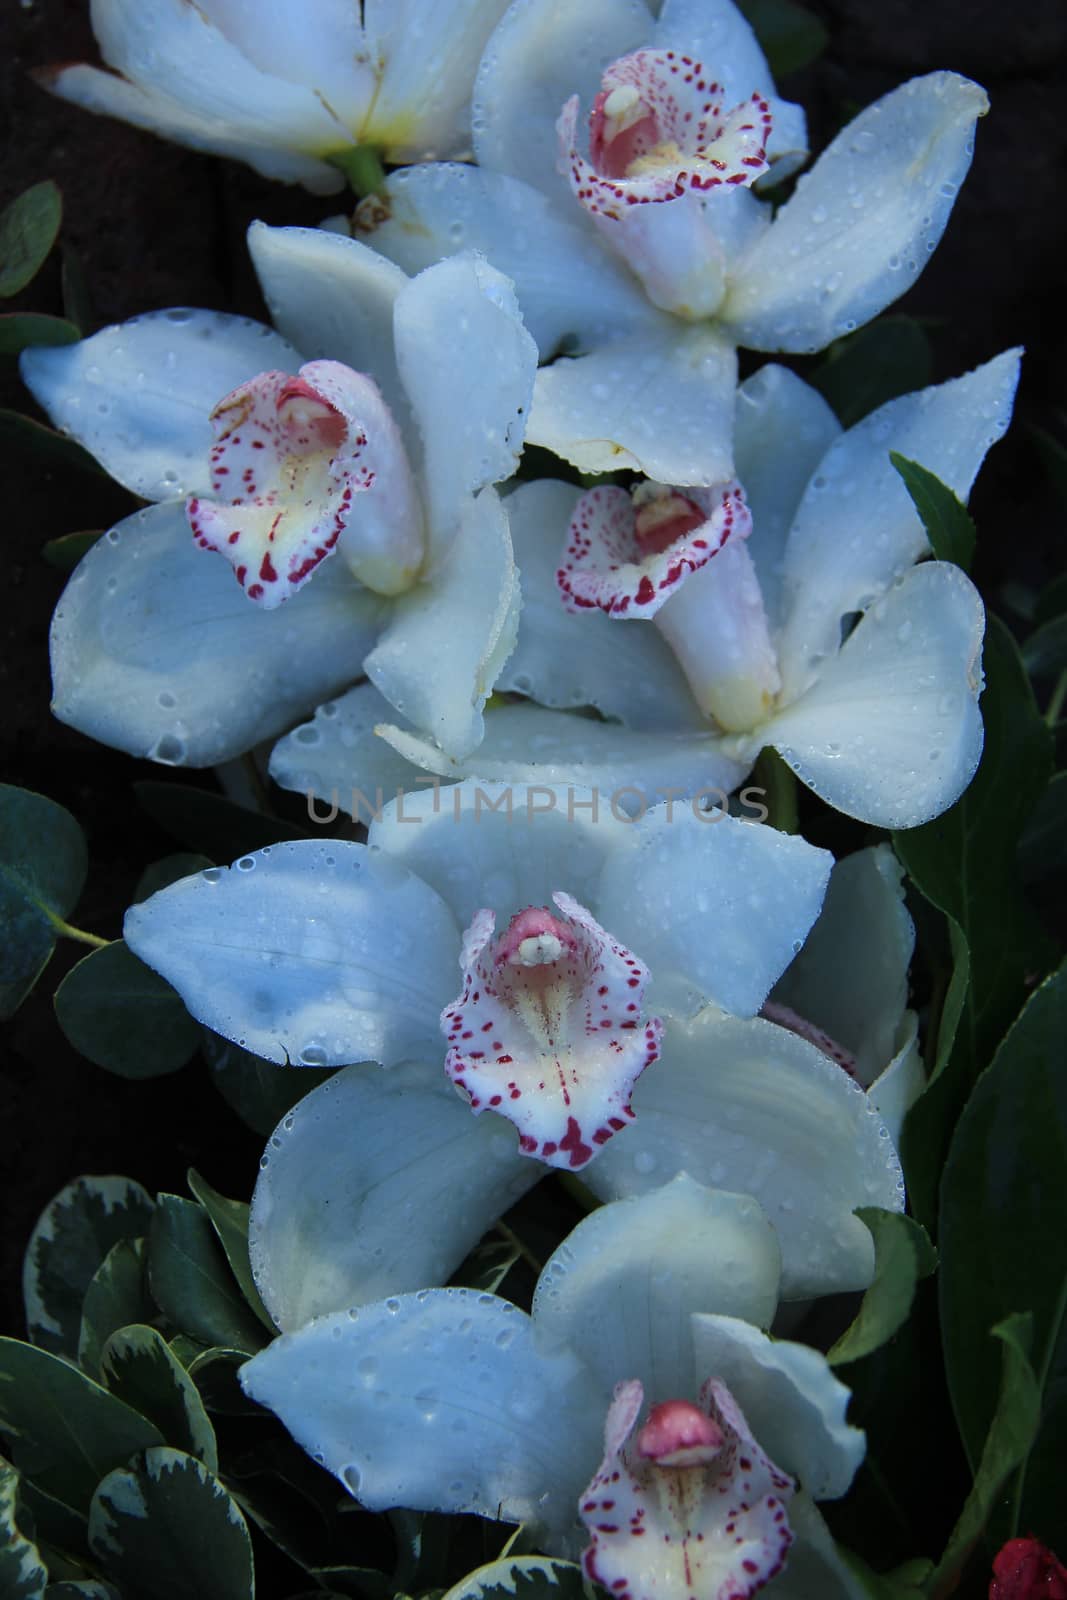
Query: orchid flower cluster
565	938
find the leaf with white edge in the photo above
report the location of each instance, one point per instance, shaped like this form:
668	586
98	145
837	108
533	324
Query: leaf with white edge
191	1281
949	525
28	230
23	1575
67	1430
168	1528
902	1255
229	1218
43	863
1011	1434
124	1017
138	1367
116	1298
70	1240
524	1578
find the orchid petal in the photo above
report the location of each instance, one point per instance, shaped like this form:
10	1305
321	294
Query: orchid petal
661	405
896	1089
540	54
430	54
851	977
306	953
567	661
676	869
752	1108
857	528
627	770
140	395
485	844
891	732
791	1400
110	96
860	226
620	1289
376	1182
324	50
339	759
156	651
334	299
569	287
548	1030
782	429
444	1400
439	656
471	411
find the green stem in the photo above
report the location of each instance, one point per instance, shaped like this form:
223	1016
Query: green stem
362	166
1055	705
68	932
516	1244
779	790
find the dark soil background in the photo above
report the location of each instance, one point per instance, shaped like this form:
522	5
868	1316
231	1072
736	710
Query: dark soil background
156	226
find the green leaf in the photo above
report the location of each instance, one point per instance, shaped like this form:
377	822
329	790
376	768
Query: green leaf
90	1589
47	446
902	1255
260	1092
62	1534
525	1577
23	1575
65	552
161	874
43	863
28	230
1052	601
1003	1225
949	526
68	1431
77	303
215	1372
885	359
209	822
229	1218
167	1528
138	1367
116	1297
191	1281
903	1583
1011	1433
964	863
72	1236
1054	456
123	1016
790	35
1043	846
20	330
1045	651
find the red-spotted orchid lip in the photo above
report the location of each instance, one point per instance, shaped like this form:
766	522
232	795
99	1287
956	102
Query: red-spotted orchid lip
658	130
693	1506
549	1031
291	467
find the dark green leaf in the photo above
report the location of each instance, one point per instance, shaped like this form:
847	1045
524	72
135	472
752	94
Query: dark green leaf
229	1218
1045	652
1052	601
902	1255
123	1016
1043	846
521	1578
88	1589
67	1430
161	874
23	1575
949	526
138	1367
191	1281
117	1297
20	330
209	822
260	1092
1003	1226
1054	456
72	1236
44	444
43	864
169	1529
59	1531
214	1372
65	552
885	359
964	862
1011	1433
790	35
904	1583
28	230
77	304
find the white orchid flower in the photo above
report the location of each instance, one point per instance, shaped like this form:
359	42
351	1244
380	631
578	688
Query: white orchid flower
287	87
649	259
348	456
825	634
451	1400
331	953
